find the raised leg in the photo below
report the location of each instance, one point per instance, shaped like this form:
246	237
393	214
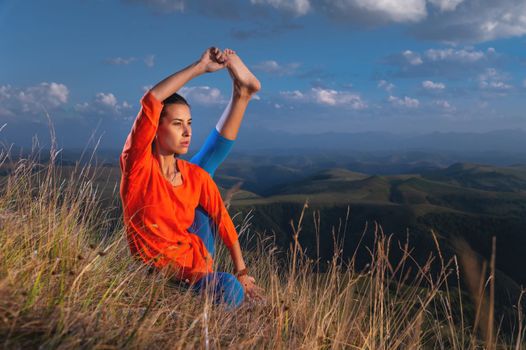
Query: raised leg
214	151
244	86
220	141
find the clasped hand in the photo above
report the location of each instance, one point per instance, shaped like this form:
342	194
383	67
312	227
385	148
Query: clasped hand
214	59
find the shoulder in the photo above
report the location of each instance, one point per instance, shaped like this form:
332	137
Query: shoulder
194	169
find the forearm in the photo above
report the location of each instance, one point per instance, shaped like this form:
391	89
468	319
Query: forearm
237	257
174	82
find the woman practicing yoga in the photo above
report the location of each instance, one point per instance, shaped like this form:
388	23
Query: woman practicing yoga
173	210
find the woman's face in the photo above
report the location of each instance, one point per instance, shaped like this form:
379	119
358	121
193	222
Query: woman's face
175	129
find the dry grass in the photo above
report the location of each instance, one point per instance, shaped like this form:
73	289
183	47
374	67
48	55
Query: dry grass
67	281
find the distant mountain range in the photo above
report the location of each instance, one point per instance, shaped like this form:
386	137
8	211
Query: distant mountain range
499	147
513	141
464	200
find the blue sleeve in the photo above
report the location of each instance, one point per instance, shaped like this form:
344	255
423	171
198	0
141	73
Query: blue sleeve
213	152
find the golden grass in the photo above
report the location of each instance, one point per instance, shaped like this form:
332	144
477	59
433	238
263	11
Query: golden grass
67	281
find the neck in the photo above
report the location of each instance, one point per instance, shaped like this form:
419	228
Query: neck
166	161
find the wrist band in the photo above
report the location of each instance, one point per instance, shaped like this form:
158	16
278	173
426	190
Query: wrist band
242	272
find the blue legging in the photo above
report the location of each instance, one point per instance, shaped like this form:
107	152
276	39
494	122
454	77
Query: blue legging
224	286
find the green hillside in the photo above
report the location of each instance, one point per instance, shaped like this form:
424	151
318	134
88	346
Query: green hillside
465	200
484	177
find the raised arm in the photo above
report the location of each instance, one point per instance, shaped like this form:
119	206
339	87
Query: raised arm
137	146
207	63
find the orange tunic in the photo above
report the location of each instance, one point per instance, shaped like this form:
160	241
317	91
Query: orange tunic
157	214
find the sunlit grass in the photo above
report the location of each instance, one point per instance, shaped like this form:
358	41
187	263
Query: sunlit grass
67	282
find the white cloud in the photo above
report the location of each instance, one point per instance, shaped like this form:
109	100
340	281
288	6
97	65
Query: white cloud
376	11
333	98
204	95
412	57
105	104
274	67
293	95
448	62
386	85
429	85
404	102
163	5
52	94
462	55
499	85
82	107
296	7
327	97
454	21
475	21
446	5
106	99
445	105
451	21
491	79
120	60
32	100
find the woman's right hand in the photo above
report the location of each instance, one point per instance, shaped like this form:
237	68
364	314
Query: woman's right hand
251	289
212	60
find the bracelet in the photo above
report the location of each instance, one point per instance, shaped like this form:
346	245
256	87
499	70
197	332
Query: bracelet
241	272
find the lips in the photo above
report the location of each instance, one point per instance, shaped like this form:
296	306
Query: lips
185	143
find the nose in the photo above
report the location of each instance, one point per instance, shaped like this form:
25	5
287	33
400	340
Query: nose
188	130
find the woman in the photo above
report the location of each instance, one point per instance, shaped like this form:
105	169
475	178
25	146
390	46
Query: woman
173	210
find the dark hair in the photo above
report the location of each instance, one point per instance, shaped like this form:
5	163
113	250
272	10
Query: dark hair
175	98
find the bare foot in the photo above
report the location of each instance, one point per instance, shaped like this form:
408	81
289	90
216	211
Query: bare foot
243	78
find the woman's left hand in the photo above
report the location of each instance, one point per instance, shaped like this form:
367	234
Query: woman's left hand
213	59
251	289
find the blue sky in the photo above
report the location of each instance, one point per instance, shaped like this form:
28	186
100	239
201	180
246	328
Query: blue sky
403	66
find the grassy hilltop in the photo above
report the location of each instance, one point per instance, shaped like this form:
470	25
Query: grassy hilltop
67	280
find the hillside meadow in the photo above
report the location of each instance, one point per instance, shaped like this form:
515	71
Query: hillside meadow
67	280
